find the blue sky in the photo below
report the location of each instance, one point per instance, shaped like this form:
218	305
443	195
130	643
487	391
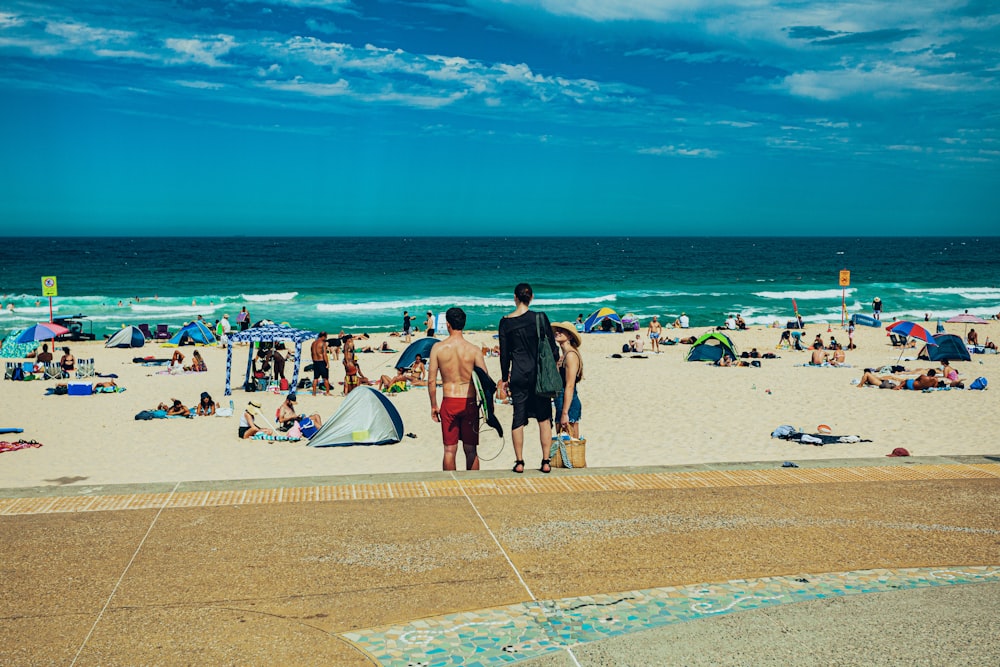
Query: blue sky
631	117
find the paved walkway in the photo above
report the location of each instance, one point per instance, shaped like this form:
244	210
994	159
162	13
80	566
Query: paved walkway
723	564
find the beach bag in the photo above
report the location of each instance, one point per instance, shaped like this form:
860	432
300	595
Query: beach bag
567	452
307	427
17	374
548	382
145	415
283	384
979	384
250	385
295	433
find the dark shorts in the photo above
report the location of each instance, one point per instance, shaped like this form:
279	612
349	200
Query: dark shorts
528	405
321	370
459	421
243	431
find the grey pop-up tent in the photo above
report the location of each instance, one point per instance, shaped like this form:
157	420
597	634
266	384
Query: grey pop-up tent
366	417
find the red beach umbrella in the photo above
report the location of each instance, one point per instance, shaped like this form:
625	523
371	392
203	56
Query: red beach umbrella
910	330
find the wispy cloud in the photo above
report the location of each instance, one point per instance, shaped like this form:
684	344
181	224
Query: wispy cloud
679	151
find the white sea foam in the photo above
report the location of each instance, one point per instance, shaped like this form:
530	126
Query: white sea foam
178	309
804	295
418	304
261	298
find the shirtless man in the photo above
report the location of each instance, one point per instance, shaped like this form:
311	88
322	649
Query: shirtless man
429	324
321	366
817	356
455	358
925	381
654	334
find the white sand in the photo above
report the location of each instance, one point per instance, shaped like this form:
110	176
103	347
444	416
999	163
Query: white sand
636	412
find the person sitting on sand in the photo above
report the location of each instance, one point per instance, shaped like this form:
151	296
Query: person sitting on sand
67	363
818	358
637	345
838	357
248	427
197	363
206	406
819	339
950	375
972	337
44	357
924	381
417	369
394	384
287	416
741	324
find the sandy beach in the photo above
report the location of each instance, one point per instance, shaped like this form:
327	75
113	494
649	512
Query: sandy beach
658	410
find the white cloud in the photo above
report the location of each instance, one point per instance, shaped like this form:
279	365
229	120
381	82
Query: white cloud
878	80
201	85
201	50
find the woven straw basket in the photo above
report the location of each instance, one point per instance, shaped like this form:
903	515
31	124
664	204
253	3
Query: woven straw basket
576	453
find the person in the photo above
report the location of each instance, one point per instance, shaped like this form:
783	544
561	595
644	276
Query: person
819	339
243	319
175	409
754	354
579	321
206	406
877	308
972	337
352	373
44	357
924	381
223	331
850	336
682	322
454	358
654	334
197	363
335	343
398	382
287	415
248	427
176	365
417	369
817	355
407	323
798	320
786	339
429	324
950	375
568	409
518	333
278	362
636	345
67	363
838	357
741	324
321	368
870	378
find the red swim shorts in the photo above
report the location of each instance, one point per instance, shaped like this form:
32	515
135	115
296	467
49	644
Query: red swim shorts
459	420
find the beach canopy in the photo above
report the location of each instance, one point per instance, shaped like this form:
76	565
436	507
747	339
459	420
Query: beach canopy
12	349
127	337
196	333
270	333
712	346
421	346
603	320
366	417
949	346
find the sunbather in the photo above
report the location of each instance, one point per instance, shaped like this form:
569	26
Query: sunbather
887	381
247	426
950	375
206	406
925	381
175	409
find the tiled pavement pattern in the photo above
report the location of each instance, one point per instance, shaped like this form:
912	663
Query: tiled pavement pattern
296	571
526	631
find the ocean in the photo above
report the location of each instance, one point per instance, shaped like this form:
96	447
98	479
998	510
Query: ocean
365	284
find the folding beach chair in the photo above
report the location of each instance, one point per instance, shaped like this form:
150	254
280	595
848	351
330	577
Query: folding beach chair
85	368
161	332
144	328
8	372
52	371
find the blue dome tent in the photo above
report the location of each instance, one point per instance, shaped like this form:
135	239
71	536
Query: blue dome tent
127	337
421	346
603	320
193	333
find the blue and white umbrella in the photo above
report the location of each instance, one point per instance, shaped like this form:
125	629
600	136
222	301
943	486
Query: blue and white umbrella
269	333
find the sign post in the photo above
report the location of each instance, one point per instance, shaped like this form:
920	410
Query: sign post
49	289
845	282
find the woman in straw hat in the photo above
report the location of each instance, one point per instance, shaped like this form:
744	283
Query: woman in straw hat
247	426
567	402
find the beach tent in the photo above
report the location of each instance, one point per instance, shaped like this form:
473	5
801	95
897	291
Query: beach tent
366	417
270	333
421	346
196	333
949	346
712	347
127	337
14	350
603	320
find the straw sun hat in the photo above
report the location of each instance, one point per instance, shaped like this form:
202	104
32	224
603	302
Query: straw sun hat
571	331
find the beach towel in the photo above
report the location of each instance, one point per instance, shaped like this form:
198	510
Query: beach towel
820	439
274	438
20	444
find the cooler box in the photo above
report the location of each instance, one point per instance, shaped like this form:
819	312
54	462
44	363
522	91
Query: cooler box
80	389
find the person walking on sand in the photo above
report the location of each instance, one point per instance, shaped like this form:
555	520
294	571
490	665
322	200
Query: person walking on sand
407	324
518	333
455	358
654	334
321	366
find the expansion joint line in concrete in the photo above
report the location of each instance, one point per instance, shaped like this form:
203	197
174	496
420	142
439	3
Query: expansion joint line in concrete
122	576
510	562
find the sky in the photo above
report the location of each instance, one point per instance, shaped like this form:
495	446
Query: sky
500	117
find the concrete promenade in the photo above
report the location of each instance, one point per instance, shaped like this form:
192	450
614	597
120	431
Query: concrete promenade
835	562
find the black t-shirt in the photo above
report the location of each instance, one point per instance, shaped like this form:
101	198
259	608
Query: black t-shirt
406	321
519	346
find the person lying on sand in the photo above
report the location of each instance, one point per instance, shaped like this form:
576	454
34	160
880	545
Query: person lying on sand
870	378
926	381
175	409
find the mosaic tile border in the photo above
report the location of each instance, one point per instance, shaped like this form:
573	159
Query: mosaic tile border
504	635
701	479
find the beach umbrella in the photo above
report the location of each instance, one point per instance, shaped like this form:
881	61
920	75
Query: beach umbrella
41	331
966	319
910	330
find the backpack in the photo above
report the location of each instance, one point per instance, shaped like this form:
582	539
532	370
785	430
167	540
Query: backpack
307	427
17	373
979	383
626	348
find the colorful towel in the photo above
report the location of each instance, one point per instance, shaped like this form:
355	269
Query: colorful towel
20	444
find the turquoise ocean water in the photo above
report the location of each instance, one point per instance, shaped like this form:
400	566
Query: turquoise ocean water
364	284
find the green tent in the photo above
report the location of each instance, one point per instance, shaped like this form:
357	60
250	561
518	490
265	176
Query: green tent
712	347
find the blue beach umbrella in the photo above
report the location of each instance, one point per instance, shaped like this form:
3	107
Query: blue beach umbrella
910	330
